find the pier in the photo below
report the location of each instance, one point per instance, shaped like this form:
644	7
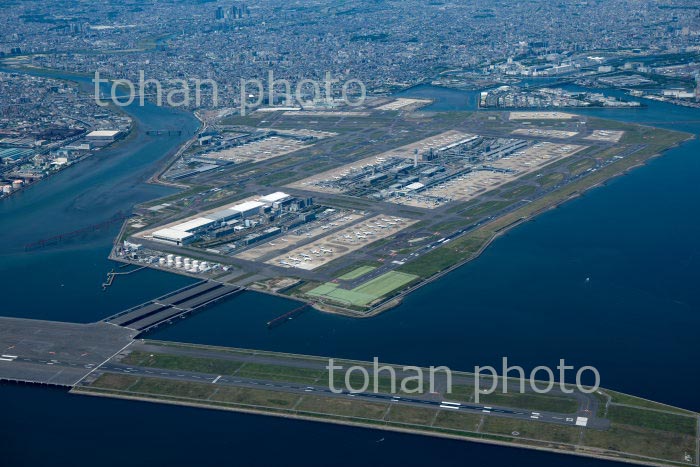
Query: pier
112	274
280	320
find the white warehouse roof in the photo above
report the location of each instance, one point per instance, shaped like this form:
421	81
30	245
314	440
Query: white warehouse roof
247	206
102	133
223	215
172	235
274	197
194	224
415	186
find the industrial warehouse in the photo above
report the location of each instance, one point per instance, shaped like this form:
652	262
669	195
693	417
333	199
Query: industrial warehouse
240	224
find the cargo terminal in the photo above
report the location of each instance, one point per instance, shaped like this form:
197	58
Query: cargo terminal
240	224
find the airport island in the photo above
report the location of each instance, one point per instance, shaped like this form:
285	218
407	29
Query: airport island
368	228
350	210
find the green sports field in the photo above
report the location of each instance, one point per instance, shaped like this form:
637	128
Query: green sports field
366	293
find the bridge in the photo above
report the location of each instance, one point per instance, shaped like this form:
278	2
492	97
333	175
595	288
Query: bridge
177	304
63	354
164	132
119	217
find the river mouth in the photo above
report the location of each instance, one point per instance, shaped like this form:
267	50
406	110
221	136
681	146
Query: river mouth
64	277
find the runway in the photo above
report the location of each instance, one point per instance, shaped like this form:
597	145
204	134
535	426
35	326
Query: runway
584	416
562	419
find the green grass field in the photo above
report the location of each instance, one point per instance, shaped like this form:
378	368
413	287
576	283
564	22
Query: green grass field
550	180
652	420
183	362
366	293
355	273
626	399
279	373
637	433
546	402
531	429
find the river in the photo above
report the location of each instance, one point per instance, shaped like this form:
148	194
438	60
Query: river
635	320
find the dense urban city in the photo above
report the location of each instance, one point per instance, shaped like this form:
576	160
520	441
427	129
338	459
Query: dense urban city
462	45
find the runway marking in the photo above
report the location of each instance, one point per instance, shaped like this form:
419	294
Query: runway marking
98	366
443	406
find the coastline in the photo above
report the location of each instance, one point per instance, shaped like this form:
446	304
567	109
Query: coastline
515	218
171	159
532	444
361	202
134	131
388	302
504	230
70	77
396	300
